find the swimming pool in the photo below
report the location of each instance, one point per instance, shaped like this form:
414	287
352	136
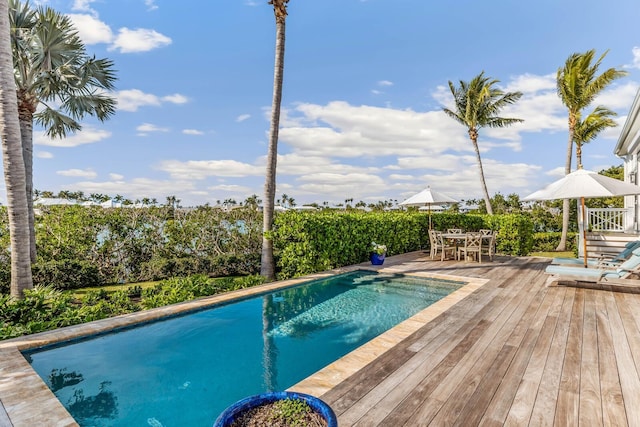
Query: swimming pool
185	370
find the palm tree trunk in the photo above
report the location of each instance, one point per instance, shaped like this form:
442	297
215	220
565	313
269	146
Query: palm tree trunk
579	155
487	200
26	131
267	264
13	163
562	245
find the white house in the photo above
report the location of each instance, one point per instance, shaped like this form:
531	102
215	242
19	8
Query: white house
628	149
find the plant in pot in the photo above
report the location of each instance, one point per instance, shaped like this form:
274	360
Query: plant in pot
278	409
378	252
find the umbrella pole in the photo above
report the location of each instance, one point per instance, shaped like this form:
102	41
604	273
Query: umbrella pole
429	215
584	232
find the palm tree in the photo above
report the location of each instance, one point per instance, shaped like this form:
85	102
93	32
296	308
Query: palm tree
477	104
578	84
13	163
588	129
267	267
52	71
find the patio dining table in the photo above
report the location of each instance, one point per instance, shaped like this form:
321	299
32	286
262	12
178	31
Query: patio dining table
460	237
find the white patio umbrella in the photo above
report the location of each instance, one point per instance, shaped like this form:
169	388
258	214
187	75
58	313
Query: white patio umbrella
428	197
582	184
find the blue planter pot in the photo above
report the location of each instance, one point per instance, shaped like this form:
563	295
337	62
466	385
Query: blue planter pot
377	259
234	411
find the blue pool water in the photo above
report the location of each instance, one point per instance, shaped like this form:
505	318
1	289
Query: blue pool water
184	371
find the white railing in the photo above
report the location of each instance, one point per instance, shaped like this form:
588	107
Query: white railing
607	219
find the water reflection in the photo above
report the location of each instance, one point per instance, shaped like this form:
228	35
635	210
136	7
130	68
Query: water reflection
103	405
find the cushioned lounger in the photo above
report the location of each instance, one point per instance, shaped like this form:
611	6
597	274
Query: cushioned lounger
632	265
594	262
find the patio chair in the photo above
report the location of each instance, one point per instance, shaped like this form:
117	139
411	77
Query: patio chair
602	261
623	271
472	247
439	244
454	231
489	243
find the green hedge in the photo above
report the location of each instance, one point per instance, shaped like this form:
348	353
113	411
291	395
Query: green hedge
308	242
548	242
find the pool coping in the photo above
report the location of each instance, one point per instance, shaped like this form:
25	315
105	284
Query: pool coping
27	400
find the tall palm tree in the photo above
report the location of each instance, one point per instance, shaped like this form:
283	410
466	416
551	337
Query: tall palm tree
477	104
52	71
267	264
578	84
587	129
13	163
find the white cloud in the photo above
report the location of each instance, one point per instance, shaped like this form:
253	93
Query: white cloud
531	83
82	5
376	92
44	155
91	29
618	97
230	188
192	132
151	4
355	185
385	83
138	40
116	176
636	57
242	117
86	173
149	127
137	188
132	99
87	135
176	98
201	169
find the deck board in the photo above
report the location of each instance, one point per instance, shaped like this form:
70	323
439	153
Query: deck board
518	351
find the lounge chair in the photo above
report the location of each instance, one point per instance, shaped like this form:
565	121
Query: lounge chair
603	261
581	274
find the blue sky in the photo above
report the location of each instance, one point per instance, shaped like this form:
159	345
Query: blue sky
364	86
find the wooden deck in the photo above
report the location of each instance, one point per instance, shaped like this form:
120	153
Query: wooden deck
515	352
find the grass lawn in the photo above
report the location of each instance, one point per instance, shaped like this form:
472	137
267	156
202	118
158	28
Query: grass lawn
78	293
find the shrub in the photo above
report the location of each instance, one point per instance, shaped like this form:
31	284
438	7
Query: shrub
67	274
44	307
548	242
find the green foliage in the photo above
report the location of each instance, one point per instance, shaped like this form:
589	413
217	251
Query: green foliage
187	288
548	242
515	233
137	244
67	274
290	412
45	308
308	242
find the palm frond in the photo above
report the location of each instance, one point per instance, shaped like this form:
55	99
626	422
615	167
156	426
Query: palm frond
56	124
52	67
598	120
